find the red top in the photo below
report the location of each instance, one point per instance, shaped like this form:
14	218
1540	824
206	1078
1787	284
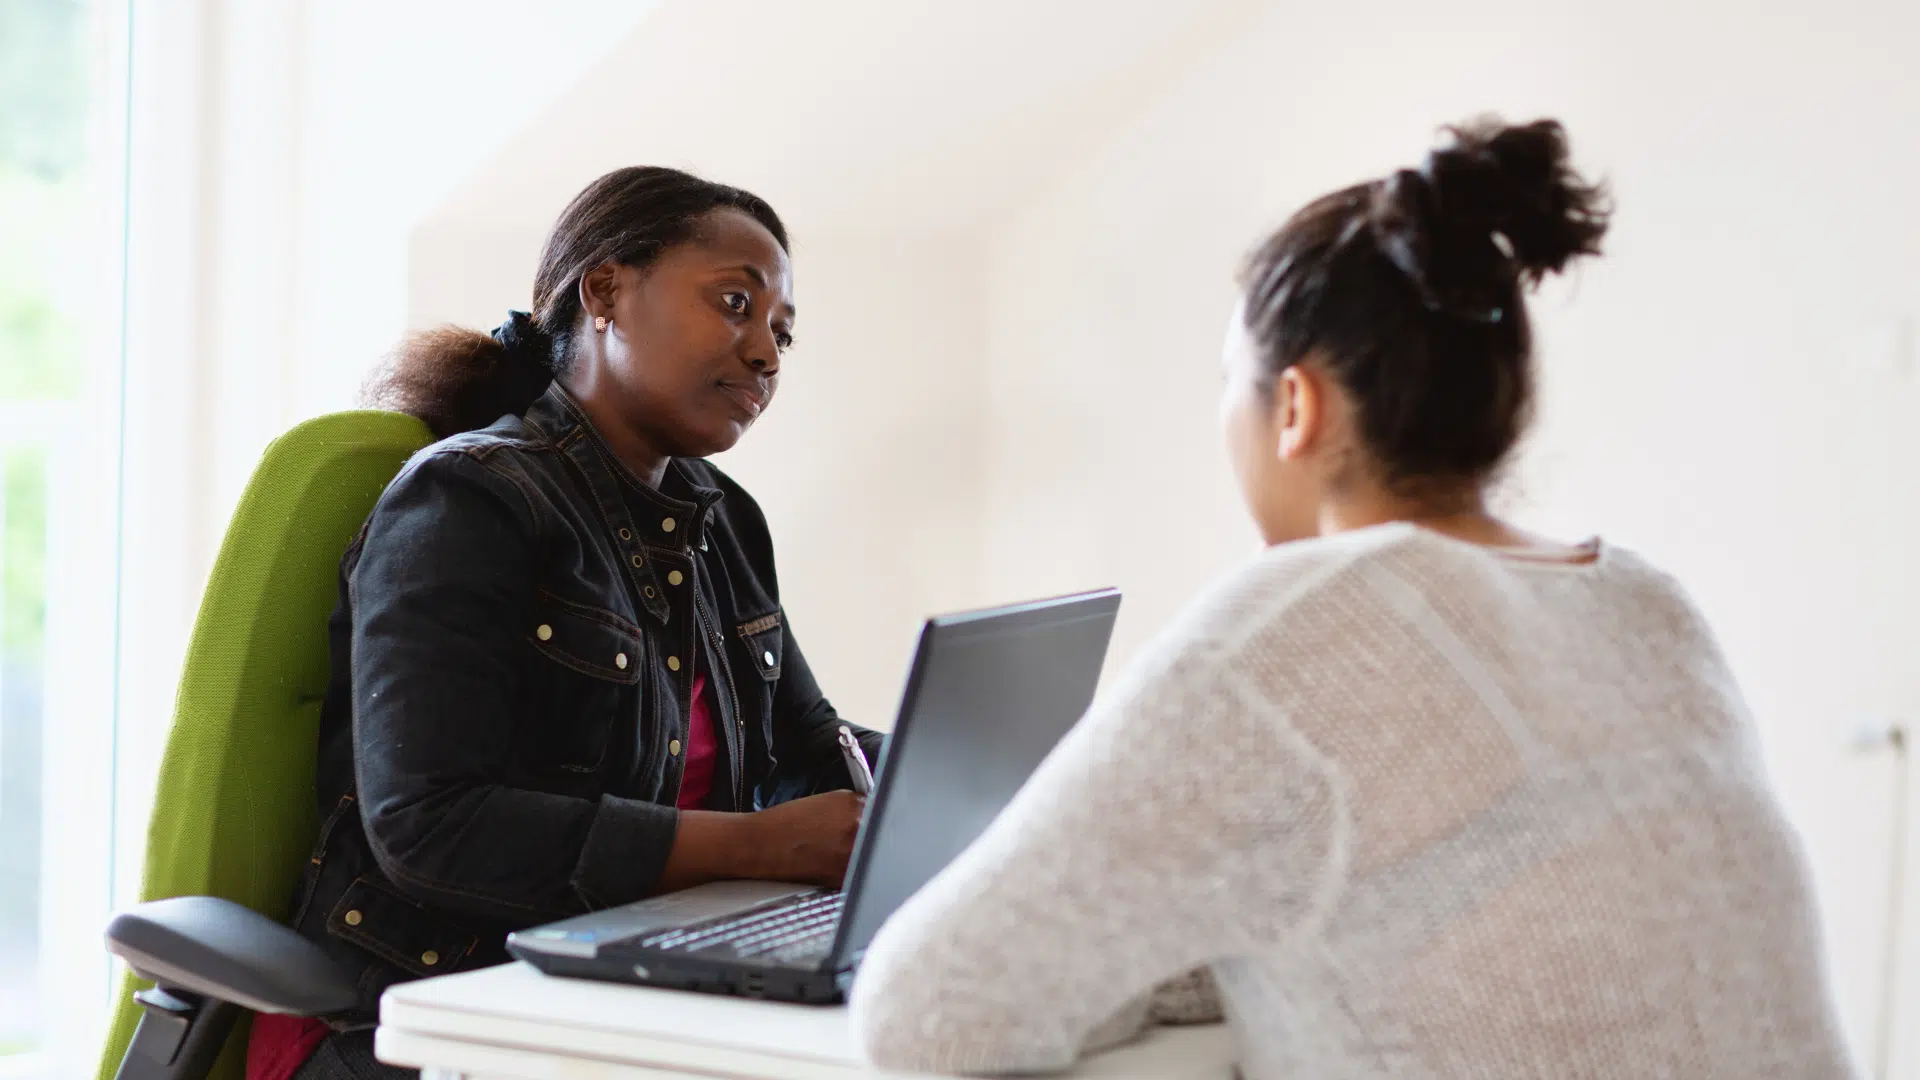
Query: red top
701	749
279	1044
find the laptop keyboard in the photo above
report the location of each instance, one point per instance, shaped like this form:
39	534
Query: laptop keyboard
793	930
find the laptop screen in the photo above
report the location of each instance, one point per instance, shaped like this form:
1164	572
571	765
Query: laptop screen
989	694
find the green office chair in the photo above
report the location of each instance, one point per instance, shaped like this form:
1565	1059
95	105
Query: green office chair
233	815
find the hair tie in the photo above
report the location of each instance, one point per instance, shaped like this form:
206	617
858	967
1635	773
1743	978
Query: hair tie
523	338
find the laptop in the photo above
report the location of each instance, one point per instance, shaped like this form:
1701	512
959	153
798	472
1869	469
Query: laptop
988	695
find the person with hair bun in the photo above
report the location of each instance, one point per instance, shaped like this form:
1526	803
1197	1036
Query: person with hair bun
1414	793
562	676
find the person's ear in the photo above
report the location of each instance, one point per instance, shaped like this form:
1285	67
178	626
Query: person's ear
599	289
1299	404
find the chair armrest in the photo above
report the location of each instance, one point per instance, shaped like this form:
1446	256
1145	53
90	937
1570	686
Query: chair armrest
218	949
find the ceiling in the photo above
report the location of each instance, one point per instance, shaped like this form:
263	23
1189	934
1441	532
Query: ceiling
862	115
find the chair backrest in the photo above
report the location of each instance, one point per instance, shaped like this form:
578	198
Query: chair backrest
233	813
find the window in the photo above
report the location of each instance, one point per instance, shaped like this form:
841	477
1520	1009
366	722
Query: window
61	130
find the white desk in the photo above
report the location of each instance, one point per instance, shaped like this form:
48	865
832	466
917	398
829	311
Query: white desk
513	1022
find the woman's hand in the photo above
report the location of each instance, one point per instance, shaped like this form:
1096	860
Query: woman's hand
807	840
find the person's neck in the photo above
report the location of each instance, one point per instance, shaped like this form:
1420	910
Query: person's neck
1462	517
632	448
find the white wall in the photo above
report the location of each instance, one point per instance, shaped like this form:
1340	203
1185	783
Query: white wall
1723	392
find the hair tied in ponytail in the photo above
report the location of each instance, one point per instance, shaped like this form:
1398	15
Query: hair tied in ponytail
524	340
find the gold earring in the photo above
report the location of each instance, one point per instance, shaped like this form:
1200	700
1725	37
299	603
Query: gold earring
599	324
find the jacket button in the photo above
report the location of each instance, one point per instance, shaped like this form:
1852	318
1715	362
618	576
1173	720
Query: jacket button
544	632
675	578
768	657
669	525
620	661
673	663
673	748
429	958
352	918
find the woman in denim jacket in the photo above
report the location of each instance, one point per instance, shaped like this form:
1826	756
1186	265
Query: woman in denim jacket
562	677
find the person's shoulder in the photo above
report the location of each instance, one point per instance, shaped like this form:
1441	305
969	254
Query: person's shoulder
507	445
1629	567
510	437
1651	595
501	465
1308	586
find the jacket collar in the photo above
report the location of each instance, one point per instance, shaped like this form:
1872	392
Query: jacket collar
674	516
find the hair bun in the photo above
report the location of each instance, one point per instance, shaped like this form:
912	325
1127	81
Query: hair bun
1492	204
1517	181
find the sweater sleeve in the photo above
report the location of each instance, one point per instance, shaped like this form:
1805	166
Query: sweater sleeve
1181	822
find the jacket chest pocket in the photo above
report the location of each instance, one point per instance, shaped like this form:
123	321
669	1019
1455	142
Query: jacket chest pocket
762	638
588	663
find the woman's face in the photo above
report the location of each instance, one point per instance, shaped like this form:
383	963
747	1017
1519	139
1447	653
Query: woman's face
695	339
1271	427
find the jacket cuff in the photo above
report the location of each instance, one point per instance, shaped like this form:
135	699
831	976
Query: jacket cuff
872	744
625	852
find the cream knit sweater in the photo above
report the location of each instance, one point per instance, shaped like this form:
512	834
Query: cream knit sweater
1423	809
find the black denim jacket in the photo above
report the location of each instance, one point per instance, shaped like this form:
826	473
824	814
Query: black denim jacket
502	742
